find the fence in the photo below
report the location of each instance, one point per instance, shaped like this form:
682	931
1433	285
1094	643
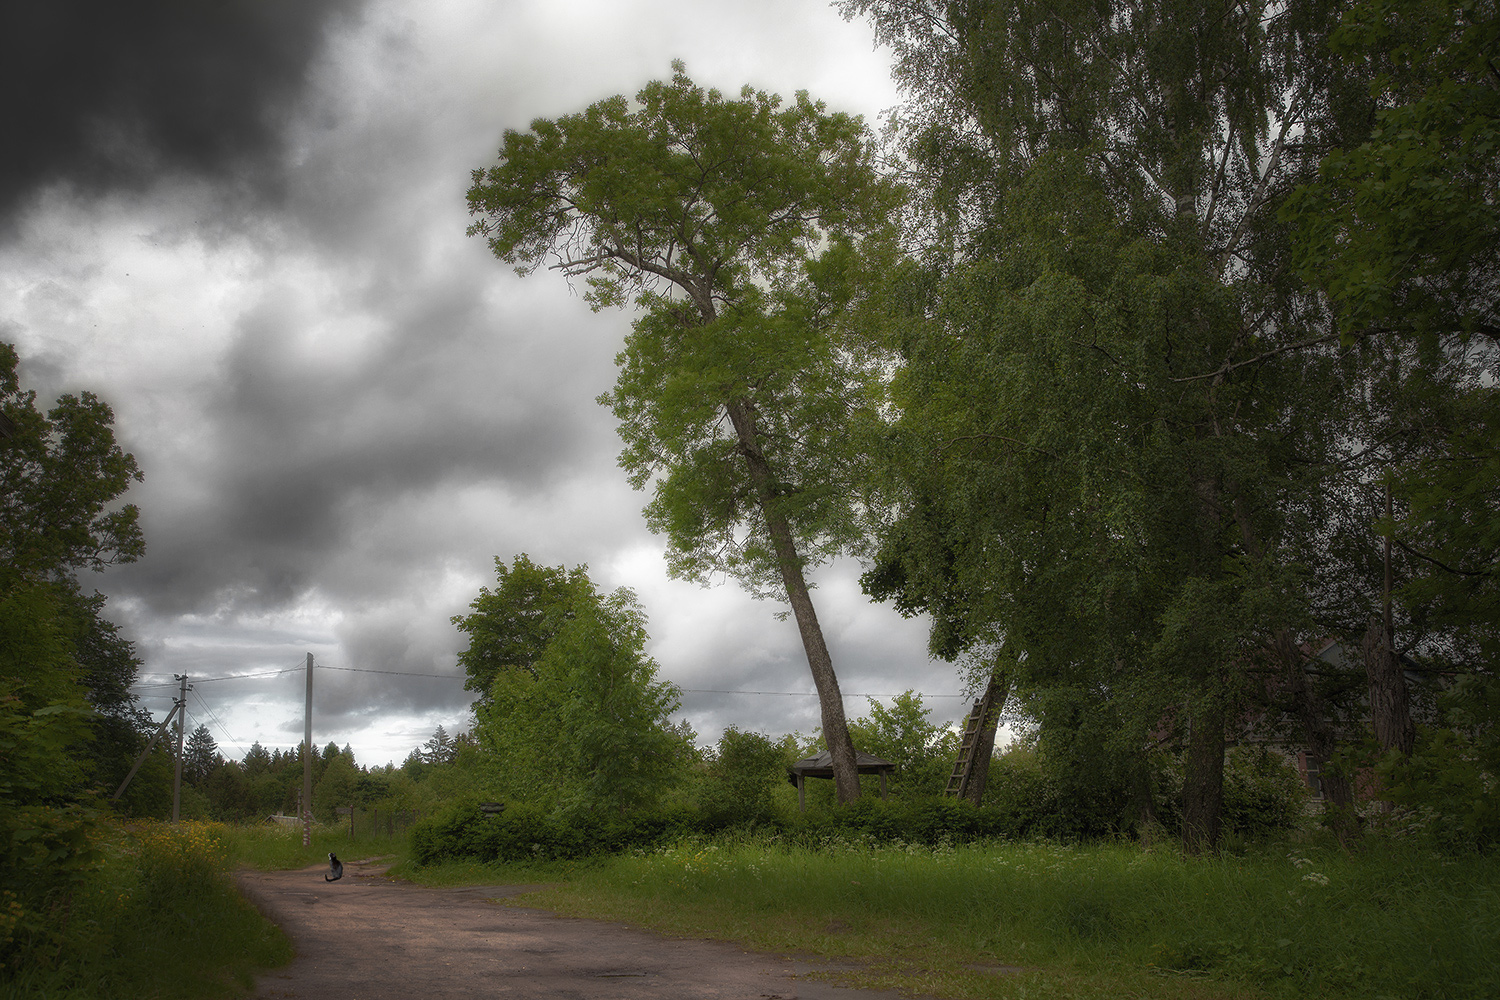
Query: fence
377	822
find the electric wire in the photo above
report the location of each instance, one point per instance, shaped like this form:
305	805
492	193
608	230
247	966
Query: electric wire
459	677
217	721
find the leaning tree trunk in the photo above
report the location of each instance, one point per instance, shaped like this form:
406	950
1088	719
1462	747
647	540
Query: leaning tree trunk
995	694
1203	780
830	699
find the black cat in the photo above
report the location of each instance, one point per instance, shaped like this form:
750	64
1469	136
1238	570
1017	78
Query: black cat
336	867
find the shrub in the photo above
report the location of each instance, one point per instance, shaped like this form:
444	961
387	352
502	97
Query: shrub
742	774
1451	783
532	833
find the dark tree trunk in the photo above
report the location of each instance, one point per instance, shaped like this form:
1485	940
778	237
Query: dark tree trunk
1203	780
984	740
1320	737
830	700
1390	711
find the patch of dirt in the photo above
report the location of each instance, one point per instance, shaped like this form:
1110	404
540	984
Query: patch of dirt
372	937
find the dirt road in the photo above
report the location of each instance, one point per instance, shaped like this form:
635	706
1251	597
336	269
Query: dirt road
368	937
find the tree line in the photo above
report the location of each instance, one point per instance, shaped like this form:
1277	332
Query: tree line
1152	350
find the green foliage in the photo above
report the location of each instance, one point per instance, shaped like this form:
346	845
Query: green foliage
586	727
743	771
812	392
923	752
154	913
59	477
200	755
1403	228
1264	796
527	833
335	787
1449	785
509	627
1119	409
1045	795
714	195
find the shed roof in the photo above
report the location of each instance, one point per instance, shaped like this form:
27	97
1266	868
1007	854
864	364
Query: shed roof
821	765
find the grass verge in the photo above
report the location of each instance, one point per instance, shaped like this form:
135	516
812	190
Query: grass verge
1038	920
159	917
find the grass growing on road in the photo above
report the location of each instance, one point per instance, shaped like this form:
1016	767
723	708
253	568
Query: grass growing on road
1040	920
278	848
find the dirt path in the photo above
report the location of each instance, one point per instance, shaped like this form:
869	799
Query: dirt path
369	937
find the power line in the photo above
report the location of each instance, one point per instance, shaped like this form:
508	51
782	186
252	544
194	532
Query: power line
226	677
812	694
217	721
456	677
398	673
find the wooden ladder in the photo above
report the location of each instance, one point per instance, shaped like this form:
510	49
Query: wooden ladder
958	781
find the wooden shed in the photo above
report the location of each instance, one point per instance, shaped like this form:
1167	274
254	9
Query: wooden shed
821	766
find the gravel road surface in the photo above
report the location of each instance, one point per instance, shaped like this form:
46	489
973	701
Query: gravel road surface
369	937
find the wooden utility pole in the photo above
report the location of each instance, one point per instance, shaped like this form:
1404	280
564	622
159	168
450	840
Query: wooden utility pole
177	706
177	773
307	760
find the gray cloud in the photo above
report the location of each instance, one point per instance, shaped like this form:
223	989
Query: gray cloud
345	408
105	94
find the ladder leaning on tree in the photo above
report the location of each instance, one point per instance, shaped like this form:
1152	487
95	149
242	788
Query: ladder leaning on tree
967	781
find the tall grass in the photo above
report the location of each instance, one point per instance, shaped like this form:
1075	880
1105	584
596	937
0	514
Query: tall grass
1288	921
158	918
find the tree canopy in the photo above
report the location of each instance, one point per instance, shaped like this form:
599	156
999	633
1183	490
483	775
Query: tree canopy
587	726
60	474
727	220
509	627
1116	398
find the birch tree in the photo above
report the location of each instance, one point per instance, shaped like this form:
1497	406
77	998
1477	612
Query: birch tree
1118	397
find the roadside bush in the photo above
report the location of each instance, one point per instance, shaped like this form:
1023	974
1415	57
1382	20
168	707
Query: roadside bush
742	775
532	833
1036	799
1263	793
151	906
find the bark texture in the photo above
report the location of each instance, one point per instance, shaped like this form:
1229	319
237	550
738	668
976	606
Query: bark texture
1203	780
1390	709
819	662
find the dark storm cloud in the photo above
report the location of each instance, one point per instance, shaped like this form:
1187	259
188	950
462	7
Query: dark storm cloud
304	451
105	94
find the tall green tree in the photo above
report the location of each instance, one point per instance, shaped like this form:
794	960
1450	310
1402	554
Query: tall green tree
439	749
714	214
200	755
1402	230
1115	397
510	626
588	726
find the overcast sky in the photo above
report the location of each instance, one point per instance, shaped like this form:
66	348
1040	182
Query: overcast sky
245	232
